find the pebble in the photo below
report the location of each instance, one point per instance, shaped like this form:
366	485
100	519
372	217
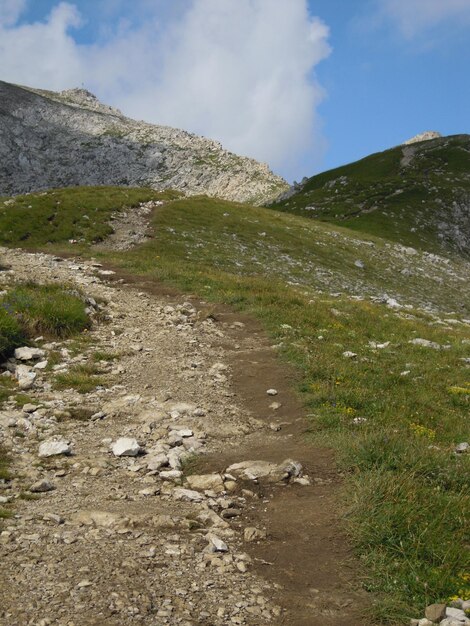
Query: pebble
216	543
251	534
272	392
42	486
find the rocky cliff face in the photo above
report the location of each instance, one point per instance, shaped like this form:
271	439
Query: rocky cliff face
66	139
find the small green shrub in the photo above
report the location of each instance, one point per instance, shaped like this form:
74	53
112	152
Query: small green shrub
11	334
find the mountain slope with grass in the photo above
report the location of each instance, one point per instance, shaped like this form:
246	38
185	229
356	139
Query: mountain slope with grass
378	333
416	194
69	138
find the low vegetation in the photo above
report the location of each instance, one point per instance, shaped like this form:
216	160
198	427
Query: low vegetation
393	410
59	216
29	310
418	195
83	378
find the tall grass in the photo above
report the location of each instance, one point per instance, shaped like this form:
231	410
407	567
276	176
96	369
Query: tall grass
49	310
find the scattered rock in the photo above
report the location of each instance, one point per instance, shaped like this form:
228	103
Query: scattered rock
251	534
187	495
54	447
42	486
435	612
216	544
425	343
126	446
204	482
29	354
462	448
272	392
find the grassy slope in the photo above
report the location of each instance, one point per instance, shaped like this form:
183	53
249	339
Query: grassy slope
407	492
380	196
54	217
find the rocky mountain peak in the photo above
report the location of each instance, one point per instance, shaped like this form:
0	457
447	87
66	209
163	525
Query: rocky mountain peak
84	98
70	139
426	136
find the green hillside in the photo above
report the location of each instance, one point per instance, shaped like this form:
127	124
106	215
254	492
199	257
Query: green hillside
416	194
394	411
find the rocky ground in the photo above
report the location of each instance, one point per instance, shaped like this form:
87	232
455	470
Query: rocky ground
166	495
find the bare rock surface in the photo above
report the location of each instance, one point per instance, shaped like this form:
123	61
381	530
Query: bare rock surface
66	139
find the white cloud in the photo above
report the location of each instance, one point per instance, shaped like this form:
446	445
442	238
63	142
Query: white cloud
414	16
240	71
42	54
10	10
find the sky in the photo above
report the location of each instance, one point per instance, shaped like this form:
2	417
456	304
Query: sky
304	85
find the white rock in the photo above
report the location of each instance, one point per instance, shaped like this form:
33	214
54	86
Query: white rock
349	355
378	346
28	354
54	448
126	446
41	365
171	474
425	343
25	376
204	482
185	432
456	614
187	495
41	486
272	392
216	543
463	447
157	461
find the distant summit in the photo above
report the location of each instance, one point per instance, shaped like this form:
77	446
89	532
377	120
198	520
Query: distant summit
426	136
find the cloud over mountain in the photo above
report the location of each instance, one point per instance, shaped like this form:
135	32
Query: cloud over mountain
241	72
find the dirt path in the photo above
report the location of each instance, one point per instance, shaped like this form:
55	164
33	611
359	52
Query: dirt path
124	540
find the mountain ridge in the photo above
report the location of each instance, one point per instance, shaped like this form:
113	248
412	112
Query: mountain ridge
69	139
417	194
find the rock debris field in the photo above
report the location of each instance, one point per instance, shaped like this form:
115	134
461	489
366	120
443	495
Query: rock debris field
115	522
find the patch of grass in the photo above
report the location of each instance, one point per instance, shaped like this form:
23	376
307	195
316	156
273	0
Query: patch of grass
81	414
82	378
101	355
4	463
11	334
80	214
49	310
25	495
22	398
5	513
7	388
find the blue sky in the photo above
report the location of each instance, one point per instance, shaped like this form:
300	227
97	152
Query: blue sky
304	85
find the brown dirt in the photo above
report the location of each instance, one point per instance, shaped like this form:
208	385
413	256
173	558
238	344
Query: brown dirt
308	554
